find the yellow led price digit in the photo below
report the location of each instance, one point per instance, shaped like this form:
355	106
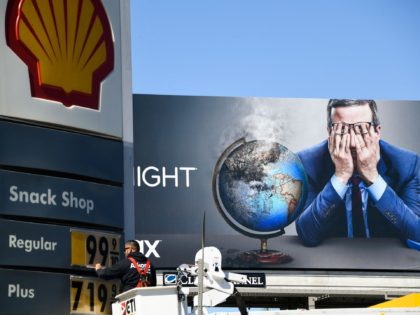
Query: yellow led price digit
89	248
97	245
91	296
115	253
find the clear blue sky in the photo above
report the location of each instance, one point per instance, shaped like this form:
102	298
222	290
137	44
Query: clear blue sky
277	48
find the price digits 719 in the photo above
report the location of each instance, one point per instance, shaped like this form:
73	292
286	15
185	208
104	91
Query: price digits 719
91	296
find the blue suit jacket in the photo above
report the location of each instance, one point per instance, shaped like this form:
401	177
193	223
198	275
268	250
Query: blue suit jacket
396	214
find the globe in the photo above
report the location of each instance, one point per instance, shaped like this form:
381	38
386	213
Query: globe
259	187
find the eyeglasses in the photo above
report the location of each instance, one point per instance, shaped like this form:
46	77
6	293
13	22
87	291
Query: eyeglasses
359	128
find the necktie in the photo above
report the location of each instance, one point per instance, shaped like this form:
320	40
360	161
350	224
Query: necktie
357	214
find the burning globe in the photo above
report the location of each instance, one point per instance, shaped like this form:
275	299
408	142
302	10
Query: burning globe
259	187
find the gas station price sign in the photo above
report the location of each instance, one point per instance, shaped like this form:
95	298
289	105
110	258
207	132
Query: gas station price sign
91	295
89	248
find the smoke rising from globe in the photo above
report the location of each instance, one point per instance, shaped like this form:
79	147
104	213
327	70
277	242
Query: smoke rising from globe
261	121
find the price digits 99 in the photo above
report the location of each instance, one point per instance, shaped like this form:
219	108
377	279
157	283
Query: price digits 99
101	246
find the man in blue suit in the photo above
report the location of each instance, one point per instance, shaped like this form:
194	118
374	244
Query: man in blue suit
359	185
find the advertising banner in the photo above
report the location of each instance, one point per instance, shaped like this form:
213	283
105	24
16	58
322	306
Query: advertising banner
261	170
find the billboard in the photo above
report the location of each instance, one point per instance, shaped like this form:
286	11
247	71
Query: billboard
243	162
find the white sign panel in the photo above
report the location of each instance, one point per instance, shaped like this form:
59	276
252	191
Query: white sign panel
61	63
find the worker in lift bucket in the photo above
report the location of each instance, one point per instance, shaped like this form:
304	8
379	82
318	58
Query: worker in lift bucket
134	271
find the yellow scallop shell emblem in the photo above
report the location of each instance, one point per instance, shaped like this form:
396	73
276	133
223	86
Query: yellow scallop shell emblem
67	46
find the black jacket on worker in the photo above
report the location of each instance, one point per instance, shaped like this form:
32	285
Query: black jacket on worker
127	272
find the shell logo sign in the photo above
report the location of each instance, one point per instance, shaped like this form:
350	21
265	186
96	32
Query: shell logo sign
67	46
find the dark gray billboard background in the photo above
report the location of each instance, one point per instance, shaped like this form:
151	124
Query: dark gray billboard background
192	132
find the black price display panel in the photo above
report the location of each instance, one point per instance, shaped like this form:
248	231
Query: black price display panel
40	293
91	295
34	244
35	293
55	246
91	247
41	196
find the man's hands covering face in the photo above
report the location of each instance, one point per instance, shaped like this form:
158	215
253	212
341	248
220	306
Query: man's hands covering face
351	151
367	149
339	147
